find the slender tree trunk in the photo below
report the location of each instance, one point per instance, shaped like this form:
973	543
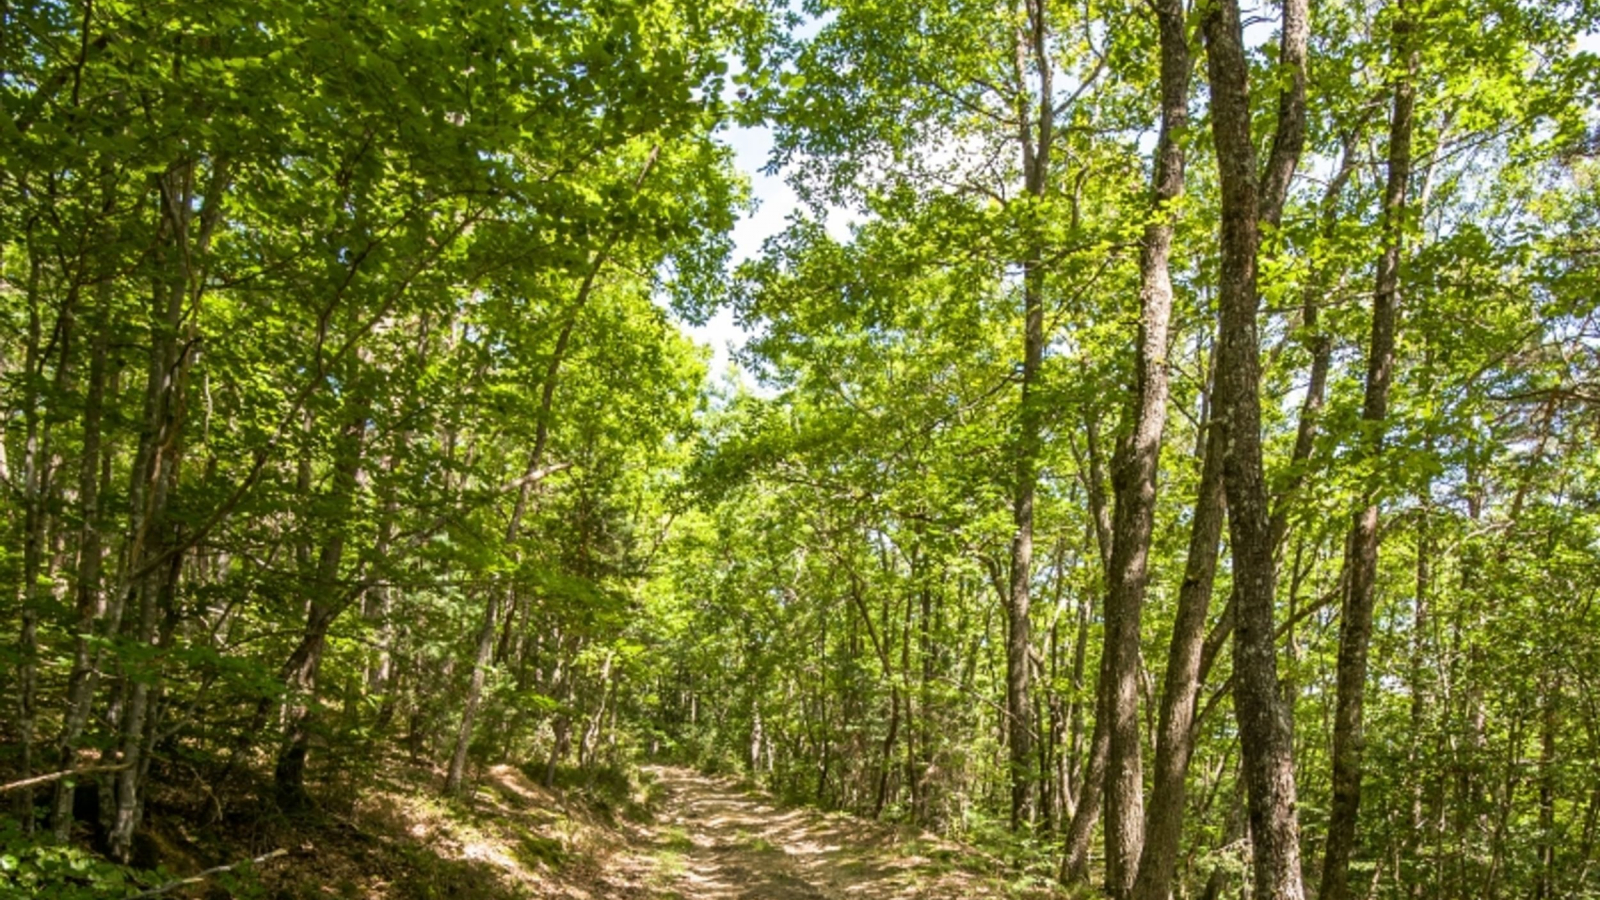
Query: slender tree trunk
1086	814
922	778
530	478
1422	685
152	558
1361	548
90	600
378	602
1265	734
326	602
886	763
561	725
1176	733
1035	135
1545	883
35	461
1137	465
589	743
40	496
155	473
909	766
1080	831
1073	787
480	668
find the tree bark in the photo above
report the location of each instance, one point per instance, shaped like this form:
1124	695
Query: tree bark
35	479
90	600
1035	134
1136	468
1268	753
1361	547
480	668
1176	734
327	601
154	474
1080	831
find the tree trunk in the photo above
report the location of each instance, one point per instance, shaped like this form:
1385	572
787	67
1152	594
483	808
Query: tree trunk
1135	469
480	668
1075	855
1035	134
529	480
1086	814
1361	548
327	601
146	579
589	743
1545	887
35	463
1268	753
90	600
1176	733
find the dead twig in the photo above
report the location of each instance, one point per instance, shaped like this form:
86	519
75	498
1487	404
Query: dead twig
216	870
53	776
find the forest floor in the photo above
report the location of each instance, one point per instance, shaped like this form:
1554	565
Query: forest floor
681	836
717	841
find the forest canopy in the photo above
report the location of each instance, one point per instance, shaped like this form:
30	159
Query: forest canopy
1163	453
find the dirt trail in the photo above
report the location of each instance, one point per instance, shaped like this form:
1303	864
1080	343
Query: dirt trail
715	841
684	836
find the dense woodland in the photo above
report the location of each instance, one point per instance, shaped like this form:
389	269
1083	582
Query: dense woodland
1165	453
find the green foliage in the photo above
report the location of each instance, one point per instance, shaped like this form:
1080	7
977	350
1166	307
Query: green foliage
346	415
29	868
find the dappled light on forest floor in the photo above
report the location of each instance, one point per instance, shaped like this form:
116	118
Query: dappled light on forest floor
509	839
661	833
719	841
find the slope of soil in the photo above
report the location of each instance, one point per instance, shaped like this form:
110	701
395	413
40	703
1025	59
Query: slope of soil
681	836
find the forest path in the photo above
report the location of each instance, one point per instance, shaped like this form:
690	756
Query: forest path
718	841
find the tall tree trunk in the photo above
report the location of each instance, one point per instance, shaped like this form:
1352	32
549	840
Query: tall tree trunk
154	474
1545	886
1422	683
1072	786
480	668
153	557
1265	733
589	743
921	779
35	462
378	601
90	601
1018	633
1135	469
326	602
1080	831
1035	134
1176	733
40	497
1361	548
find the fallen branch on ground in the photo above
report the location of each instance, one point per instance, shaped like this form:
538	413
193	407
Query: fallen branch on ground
217	870
42	779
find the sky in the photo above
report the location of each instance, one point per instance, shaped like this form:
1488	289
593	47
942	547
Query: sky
774	201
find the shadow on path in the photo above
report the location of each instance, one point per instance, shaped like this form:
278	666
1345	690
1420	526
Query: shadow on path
718	842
